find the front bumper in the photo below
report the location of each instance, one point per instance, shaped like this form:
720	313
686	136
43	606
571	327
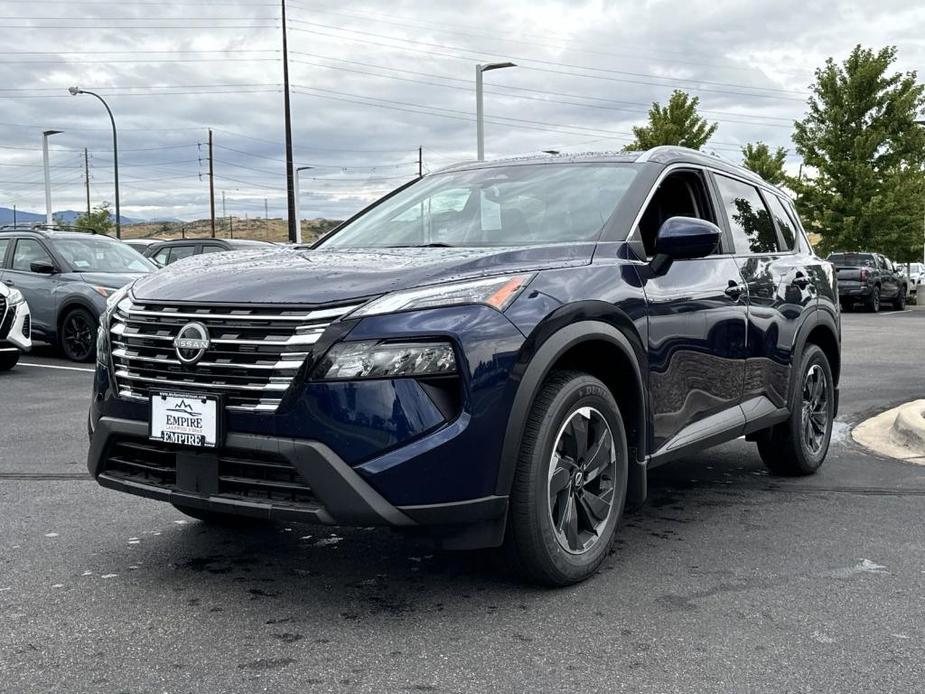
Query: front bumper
325	489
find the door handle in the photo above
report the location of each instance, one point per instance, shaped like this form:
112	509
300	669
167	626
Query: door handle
9	283
734	290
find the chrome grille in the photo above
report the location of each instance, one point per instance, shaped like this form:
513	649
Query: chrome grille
253	355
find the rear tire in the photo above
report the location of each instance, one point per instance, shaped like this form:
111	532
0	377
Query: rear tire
900	302
8	360
873	301
799	445
570	483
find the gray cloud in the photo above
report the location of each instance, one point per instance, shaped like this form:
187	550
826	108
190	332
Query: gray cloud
373	82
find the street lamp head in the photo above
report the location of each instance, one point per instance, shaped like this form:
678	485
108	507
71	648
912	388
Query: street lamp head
496	66
75	90
46	133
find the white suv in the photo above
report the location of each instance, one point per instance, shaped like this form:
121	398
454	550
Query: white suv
15	326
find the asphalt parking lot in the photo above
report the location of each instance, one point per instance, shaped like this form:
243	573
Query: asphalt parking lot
726	580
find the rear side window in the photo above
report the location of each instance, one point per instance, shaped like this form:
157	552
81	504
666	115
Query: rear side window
784	223
852	260
749	220
4	244
210	248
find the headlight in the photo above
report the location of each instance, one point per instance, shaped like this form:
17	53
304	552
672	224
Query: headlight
15	297
497	292
102	332
373	359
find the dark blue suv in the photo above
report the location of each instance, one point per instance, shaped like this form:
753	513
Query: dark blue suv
494	354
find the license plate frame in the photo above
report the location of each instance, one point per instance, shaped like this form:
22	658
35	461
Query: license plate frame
198	422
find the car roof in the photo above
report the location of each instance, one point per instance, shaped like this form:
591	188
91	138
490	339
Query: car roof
664	155
52	235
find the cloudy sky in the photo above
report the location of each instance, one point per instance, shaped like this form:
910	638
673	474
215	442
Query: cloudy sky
372	81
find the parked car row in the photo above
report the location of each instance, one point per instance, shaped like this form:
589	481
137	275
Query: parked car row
870	279
56	282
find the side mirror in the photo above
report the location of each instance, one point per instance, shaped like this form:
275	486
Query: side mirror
681	238
43	268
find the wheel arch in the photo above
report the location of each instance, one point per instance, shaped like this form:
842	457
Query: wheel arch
69	305
599	339
820	328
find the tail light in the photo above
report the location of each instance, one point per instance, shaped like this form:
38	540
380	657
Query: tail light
863	274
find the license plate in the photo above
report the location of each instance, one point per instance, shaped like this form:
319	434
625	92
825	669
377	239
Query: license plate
185	419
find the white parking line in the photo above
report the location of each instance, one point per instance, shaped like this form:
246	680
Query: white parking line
52	366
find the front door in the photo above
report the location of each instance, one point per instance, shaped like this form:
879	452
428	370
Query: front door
696	328
37	288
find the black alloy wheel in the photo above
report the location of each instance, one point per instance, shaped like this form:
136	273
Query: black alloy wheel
581	480
815	418
873	301
78	335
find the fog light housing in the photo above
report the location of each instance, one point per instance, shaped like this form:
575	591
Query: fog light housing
375	359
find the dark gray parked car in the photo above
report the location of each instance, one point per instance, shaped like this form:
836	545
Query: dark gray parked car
66	277
167	252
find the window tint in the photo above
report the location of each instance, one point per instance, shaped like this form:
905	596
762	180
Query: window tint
161	256
784	223
749	219
211	248
29	251
4	244
180	252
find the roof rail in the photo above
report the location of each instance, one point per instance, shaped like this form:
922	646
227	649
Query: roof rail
42	227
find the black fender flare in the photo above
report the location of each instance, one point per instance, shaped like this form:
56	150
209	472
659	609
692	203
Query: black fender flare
565	328
817	317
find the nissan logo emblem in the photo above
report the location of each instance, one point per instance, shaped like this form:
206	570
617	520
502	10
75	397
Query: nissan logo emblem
191	343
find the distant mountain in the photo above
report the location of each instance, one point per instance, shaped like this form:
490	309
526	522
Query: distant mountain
65	216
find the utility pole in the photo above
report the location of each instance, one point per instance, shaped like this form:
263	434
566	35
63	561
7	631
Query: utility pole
420	161
211	186
14	214
87	179
266	212
290	183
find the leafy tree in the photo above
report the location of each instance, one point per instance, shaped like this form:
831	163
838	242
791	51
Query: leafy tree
99	220
866	152
678	123
769	165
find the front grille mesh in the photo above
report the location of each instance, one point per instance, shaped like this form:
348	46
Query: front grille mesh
254	351
271	478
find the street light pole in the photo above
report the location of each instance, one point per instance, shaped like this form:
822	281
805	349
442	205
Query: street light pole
479	111
49	217
115	151
298	212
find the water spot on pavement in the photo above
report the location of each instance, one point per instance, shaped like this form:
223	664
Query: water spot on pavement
288	637
266	664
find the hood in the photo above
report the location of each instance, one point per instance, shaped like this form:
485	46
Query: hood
112	280
283	275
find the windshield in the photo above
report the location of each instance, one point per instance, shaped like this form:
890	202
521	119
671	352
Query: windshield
852	260
102	255
499	206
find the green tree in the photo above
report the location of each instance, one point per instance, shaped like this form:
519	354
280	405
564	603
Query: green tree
865	187
769	165
99	220
678	123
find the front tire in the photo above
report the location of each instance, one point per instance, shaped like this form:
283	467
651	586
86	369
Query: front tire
78	335
799	445
8	360
570	483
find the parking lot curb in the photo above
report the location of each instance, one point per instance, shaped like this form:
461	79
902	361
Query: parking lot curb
897	433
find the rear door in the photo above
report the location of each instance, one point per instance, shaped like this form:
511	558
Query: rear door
38	289
781	289
889	283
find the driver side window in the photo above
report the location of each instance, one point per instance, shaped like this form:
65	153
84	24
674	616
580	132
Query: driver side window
680	194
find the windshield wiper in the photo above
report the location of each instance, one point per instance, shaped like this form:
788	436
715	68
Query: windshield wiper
435	244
